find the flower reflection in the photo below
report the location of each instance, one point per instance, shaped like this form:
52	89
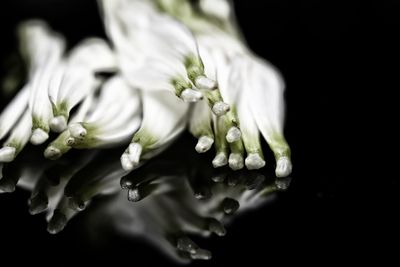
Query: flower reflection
165	201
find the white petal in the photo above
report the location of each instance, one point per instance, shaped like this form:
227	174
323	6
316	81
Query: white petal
13	111
56	81
18	138
95	54
162	113
115	90
43	49
21	132
83	109
265	91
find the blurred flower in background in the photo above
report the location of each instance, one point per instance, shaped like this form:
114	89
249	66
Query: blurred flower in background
108	114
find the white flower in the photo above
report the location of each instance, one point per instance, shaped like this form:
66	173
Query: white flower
217	66
200	126
107	124
265	92
145	59
221	48
156	52
161	49
59	146
108	121
74	79
71	85
43	49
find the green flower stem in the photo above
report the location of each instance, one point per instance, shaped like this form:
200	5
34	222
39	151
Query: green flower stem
145	138
221	145
201	121
194	67
237	147
180	85
279	145
38	123
252	143
61	109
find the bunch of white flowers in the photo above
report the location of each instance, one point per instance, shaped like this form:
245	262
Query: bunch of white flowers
178	65
174	65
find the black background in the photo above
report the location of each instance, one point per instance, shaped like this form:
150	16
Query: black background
339	61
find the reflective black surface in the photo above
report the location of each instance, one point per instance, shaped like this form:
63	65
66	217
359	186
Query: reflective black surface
341	202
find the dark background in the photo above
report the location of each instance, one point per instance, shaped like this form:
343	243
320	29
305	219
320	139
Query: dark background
339	60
